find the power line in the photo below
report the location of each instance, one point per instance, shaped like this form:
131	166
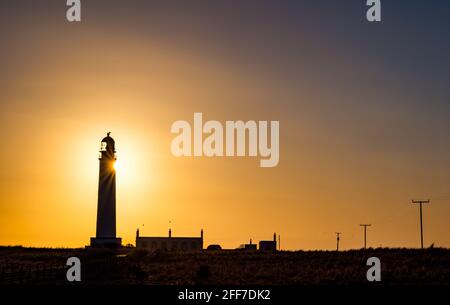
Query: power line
443	197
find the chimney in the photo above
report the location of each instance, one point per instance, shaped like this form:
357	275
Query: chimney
170	233
201	236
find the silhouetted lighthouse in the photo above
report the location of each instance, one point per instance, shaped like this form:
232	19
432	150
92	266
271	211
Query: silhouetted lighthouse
106	208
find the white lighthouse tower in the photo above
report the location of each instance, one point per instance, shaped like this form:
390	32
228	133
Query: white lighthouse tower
106	208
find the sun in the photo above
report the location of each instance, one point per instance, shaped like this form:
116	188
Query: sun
117	166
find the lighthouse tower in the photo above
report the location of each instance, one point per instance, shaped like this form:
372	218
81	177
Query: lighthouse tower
106	208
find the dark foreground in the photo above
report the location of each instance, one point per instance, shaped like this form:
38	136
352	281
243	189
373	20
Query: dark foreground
130	266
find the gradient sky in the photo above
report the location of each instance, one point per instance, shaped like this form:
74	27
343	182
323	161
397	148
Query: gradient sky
364	114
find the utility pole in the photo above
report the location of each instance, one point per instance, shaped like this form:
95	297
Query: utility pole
337	240
365	233
421	226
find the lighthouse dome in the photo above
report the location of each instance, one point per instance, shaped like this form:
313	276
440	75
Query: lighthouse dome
107	143
108	139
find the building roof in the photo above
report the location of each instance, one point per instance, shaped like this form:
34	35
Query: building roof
169	238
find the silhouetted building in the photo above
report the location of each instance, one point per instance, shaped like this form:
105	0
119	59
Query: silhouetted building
214	247
170	243
268	245
106	208
250	246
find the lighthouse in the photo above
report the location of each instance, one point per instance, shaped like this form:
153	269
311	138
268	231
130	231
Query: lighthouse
106	205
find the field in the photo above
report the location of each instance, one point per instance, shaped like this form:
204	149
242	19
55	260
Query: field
131	266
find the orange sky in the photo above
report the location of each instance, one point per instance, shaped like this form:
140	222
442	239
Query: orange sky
356	144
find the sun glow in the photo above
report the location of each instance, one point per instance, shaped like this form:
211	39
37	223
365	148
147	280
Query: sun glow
117	166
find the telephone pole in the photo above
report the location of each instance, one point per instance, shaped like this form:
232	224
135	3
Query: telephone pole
421	226
365	233
337	240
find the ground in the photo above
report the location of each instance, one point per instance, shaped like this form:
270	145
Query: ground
133	266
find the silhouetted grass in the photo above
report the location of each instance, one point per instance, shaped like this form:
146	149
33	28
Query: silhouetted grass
128	266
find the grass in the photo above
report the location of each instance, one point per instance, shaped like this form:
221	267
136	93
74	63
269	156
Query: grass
135	266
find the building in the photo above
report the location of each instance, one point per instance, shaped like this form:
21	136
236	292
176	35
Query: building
268	245
106	205
214	247
170	243
250	246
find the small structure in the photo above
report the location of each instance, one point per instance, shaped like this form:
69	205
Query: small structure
170	243
268	245
248	247
214	247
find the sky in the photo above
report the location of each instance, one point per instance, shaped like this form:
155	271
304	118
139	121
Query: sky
363	108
